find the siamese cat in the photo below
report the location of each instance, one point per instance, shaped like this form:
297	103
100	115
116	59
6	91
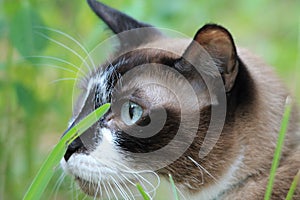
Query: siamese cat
203	111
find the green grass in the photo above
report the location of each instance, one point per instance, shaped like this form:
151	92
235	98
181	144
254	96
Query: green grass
143	192
46	172
173	187
293	186
174	190
280	141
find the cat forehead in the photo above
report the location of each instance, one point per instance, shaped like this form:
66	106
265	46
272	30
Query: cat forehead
175	45
125	74
108	72
147	53
164	51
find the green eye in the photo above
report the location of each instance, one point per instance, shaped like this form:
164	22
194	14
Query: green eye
131	113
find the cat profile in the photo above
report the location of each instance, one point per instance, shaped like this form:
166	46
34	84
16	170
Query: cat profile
202	110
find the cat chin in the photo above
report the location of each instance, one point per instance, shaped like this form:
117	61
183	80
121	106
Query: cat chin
87	168
107	190
91	176
94	189
104	180
117	187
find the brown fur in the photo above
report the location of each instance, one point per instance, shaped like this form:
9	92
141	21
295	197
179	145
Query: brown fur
254	127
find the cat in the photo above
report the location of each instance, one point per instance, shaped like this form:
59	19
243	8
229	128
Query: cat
204	111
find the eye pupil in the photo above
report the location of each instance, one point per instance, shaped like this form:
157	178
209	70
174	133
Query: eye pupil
131	112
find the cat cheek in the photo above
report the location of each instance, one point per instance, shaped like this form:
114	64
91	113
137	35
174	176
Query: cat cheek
107	135
106	148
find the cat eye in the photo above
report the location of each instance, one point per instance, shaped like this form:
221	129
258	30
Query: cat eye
131	113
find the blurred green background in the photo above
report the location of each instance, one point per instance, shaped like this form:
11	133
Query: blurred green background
35	106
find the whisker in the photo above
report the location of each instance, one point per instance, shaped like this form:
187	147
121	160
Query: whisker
101	193
58	184
127	188
141	182
126	168
106	190
180	193
202	168
119	188
72	188
128	180
55	66
63	79
66	47
97	190
152	188
138	176
90	182
113	191
85	197
71	38
95	195
76	189
131	171
99	182
59	60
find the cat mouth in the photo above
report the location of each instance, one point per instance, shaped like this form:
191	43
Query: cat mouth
104	185
103	181
91	188
116	187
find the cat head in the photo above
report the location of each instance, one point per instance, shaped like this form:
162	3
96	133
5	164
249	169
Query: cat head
164	94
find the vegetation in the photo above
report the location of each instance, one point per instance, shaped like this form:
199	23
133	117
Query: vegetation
47	170
36	92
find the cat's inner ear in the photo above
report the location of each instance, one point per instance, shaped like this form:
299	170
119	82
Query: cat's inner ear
218	43
136	33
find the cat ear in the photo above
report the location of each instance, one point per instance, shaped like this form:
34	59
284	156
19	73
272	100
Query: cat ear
218	43
119	22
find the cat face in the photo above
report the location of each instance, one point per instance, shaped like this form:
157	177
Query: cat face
162	93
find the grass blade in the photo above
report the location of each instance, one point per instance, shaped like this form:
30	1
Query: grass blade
276	159
84	124
47	170
143	193
173	187
293	186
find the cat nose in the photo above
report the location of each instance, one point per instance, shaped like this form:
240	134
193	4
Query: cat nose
82	144
73	147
